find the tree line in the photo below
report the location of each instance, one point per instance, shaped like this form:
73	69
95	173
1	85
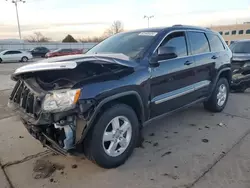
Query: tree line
116	27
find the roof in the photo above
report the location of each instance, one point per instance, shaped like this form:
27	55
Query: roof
159	29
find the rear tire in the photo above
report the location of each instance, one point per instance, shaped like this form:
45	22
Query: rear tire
24	59
98	148
1	60
219	97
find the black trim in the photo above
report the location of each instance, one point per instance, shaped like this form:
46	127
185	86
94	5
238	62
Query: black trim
105	101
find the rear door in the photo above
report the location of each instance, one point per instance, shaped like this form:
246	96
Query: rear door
205	62
172	81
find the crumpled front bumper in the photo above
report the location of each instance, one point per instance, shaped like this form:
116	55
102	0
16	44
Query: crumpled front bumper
39	133
46	141
240	80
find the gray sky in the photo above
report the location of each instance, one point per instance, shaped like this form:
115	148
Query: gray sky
83	18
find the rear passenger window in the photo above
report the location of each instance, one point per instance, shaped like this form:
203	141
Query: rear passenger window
215	43
198	42
178	41
16	52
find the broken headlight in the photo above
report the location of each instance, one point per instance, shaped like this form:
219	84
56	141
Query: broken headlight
61	100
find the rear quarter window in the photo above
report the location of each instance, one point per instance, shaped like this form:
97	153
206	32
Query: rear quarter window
215	42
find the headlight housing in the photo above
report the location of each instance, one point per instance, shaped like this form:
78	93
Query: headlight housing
61	100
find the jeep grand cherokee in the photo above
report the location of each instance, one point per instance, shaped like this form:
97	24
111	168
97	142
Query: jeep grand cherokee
96	104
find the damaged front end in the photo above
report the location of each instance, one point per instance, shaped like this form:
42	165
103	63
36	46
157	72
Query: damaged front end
241	75
48	99
53	117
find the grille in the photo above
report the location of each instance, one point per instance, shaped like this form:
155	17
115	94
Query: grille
26	99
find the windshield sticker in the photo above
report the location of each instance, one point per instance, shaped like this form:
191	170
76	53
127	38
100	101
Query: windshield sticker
148	34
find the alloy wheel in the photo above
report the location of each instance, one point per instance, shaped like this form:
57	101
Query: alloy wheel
222	95
117	136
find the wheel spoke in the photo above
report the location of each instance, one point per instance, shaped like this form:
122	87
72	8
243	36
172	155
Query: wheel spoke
108	136
125	126
112	147
218	96
223	89
115	123
123	143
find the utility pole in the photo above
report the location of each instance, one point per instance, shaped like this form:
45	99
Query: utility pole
148	17
17	16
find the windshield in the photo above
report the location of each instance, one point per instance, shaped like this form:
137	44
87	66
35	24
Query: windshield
241	47
130	44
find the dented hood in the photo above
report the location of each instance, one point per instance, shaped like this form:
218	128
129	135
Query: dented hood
71	62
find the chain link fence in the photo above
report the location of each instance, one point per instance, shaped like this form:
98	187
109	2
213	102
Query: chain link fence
50	45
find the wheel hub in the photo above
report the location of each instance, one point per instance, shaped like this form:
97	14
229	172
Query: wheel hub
117	136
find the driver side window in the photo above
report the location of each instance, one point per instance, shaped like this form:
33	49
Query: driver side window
176	40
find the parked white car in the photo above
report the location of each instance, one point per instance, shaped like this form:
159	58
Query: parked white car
15	55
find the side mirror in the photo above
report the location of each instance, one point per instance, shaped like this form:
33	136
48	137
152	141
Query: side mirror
165	53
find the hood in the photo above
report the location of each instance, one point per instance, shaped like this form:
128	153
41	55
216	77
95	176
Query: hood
241	56
72	61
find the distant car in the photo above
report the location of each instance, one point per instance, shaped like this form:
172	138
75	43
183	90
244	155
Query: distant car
15	55
62	52
39	51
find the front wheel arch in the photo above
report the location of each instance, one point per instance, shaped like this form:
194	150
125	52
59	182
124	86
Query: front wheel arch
109	101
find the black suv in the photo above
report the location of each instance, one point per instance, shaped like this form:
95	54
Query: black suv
96	104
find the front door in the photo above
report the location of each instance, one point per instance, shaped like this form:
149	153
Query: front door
172	82
7	56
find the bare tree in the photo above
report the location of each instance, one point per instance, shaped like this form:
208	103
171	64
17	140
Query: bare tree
92	39
116	27
38	37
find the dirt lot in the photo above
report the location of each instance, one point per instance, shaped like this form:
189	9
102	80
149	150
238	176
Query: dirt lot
192	148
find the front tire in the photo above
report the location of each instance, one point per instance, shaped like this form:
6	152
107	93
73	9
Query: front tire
1	60
219	97
113	137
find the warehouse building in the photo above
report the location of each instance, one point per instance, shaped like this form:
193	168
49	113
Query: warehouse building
234	32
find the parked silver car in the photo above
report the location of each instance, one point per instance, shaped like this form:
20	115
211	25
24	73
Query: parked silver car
14	56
